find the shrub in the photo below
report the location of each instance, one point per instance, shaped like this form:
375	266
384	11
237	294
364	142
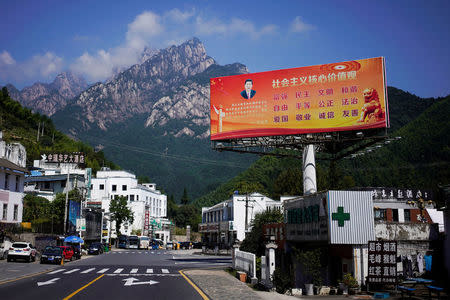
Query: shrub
281	281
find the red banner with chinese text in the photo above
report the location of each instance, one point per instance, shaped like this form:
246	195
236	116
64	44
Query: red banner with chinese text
324	98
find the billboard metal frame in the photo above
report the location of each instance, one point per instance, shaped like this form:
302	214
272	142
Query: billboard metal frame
329	145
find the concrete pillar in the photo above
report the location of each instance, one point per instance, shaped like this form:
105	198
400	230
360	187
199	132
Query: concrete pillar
270	257
233	254
309	171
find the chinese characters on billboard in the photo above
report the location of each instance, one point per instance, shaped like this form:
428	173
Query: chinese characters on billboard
75	157
333	97
382	262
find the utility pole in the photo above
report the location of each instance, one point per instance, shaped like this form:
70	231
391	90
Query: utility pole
67	200
246	213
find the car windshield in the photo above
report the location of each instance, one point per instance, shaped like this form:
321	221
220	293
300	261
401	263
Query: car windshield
19	245
52	250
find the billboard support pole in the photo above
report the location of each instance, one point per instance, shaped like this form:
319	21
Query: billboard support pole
309	171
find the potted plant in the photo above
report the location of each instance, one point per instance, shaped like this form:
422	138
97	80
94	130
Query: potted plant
311	267
349	284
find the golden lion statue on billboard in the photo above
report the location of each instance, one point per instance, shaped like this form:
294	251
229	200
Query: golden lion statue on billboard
371	109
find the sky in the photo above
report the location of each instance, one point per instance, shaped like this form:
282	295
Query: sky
40	39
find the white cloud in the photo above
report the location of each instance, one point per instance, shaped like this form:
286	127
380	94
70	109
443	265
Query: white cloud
299	26
235	27
42	66
179	16
6	58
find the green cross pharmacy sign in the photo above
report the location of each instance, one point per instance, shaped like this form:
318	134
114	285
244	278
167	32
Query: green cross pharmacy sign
340	216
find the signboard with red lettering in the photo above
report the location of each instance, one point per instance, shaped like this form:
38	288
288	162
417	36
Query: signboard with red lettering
74	157
382	262
324	98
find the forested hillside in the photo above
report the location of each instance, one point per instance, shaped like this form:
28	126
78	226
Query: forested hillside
20	124
420	159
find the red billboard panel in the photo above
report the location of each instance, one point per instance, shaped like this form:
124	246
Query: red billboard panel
324	98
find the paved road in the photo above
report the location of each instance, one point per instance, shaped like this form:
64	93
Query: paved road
114	275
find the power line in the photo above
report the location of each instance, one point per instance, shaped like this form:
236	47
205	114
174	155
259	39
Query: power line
166	155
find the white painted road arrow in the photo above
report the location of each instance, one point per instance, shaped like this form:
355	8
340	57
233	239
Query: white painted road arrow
51	281
131	281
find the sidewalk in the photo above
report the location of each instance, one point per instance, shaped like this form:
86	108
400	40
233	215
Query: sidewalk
217	284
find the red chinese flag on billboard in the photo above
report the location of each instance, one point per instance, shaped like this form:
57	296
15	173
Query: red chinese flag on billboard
324	98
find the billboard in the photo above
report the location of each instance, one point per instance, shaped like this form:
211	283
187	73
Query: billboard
324	98
74	214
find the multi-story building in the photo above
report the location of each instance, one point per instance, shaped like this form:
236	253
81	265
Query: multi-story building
52	177
226	222
144	200
12	174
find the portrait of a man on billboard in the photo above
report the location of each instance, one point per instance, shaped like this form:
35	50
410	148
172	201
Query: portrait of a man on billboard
248	93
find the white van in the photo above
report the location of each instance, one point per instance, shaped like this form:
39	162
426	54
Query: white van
144	242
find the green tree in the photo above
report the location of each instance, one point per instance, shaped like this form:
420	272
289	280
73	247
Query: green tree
188	215
254	241
35	208
185	197
172	207
289	182
143	179
120	212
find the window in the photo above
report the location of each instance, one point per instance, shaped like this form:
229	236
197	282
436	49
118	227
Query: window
407	215
137	197
17	183
101	187
16	212
395	215
131	197
124	187
6	181
380	214
63	184
5	210
114	187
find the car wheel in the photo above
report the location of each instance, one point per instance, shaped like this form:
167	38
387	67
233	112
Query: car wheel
29	258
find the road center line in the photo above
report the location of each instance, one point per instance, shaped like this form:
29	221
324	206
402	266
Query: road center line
83	287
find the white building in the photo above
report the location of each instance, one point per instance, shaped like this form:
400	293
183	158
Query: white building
145	201
224	222
12	174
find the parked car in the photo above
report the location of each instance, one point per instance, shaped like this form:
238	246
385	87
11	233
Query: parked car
52	255
95	248
76	252
197	245
186	245
169	245
67	252
22	250
5	244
